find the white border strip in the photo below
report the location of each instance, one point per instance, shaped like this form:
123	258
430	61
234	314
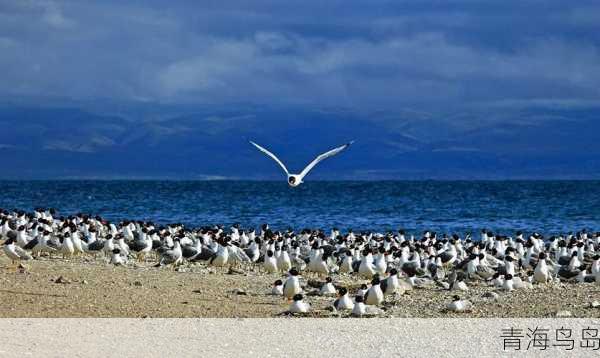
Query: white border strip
98	337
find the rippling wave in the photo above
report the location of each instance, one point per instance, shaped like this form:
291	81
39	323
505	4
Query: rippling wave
453	206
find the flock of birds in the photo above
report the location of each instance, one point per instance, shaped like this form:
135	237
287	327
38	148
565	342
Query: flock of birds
390	262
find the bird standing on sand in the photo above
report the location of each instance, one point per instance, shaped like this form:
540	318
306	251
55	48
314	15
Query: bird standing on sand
296	179
252	251
380	264
221	257
172	256
541	273
124	248
346	265
374	295
142	246
270	262
67	249
320	264
291	286
283	260
366	268
14	252
22	237
109	245
43	245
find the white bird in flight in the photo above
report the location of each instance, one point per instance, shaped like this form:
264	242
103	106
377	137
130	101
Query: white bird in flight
296	179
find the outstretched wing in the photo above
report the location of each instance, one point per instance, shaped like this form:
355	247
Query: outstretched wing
270	155
322	157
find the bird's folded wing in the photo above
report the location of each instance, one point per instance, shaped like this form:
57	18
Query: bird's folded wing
322	157
270	155
238	253
21	252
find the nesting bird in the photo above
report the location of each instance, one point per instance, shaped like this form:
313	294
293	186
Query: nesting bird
343	302
327	289
298	305
277	289
459	305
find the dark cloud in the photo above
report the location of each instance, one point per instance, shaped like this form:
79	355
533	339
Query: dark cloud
381	54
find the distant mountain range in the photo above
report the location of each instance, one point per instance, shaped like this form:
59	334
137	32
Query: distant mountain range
211	142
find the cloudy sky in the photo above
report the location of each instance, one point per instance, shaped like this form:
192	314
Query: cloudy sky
368	54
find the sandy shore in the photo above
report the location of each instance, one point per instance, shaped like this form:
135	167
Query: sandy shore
91	288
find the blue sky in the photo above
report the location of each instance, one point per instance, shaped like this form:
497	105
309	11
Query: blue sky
425	72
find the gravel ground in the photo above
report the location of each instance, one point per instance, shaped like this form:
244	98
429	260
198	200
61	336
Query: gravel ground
91	288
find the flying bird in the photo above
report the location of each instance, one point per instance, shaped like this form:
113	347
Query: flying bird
296	179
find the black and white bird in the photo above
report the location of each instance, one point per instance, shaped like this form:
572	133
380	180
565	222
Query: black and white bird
141	246
291	286
327	289
277	289
172	256
343	302
374	295
296	179
299	306
360	309
391	284
42	244
14	252
270	262
116	258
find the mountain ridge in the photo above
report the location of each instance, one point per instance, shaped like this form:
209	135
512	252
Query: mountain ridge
45	142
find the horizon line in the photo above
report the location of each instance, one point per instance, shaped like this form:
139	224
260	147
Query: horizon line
533	179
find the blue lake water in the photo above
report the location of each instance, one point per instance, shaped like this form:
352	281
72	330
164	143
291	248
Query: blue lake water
453	206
